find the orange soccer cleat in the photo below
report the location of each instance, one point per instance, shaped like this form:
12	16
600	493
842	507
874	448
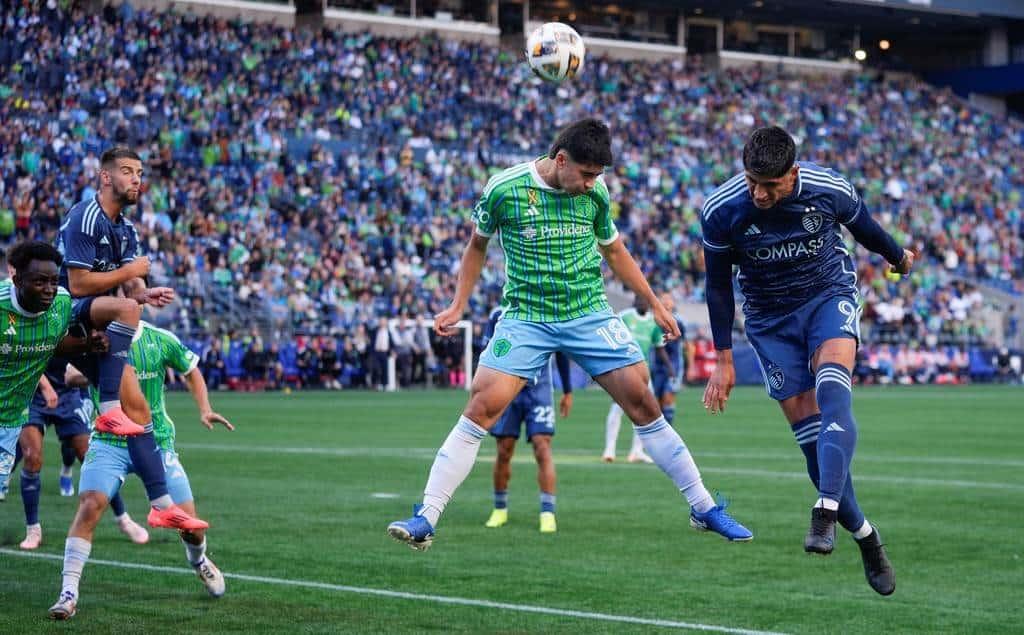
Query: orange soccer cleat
174	517
117	422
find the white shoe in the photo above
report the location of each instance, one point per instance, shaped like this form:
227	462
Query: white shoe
33	537
136	532
211	576
65	607
639	457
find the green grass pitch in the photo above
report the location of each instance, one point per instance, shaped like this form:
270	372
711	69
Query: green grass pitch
299	497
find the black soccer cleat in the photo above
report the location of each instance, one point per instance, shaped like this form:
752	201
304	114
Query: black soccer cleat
877	568
821	537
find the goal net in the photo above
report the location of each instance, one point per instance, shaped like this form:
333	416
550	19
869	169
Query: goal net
467	353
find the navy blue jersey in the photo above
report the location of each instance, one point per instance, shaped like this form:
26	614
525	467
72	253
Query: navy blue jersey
674	350
88	239
791	252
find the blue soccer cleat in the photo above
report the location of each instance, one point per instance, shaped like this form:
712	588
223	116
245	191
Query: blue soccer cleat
67	485
719	521
415	532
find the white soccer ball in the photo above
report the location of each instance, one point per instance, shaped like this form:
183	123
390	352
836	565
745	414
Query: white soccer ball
555	51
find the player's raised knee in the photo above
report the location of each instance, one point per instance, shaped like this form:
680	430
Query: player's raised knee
128	311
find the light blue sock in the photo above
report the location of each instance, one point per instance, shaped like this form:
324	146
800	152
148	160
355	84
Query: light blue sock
670	414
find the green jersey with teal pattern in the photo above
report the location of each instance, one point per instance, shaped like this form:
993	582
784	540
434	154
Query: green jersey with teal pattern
153	351
644	329
27	343
550	239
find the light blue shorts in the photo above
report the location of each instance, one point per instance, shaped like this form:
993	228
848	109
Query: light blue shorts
8	447
106	466
598	342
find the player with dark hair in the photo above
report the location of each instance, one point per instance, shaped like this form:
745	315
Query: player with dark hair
102	260
153	352
34	316
780	222
554	218
534	409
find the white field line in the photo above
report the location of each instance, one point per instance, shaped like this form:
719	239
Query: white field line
420	597
586	460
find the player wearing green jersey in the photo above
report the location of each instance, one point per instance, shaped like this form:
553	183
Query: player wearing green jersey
34	316
153	351
647	335
553	216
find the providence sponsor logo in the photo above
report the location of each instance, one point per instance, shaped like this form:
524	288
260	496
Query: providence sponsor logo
563	231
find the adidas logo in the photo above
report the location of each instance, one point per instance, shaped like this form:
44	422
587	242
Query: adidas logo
104	241
752	231
834	427
532	211
10	331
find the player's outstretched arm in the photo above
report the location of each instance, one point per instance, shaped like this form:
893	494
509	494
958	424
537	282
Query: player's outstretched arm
197	386
473	259
622	265
722	312
156	296
866	231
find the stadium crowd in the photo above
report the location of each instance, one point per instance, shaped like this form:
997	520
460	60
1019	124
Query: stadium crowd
302	187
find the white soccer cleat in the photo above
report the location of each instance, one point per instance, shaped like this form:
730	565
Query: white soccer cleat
136	532
33	537
65	607
211	576
639	457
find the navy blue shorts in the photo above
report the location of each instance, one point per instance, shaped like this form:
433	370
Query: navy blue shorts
785	344
71	417
533	407
664	384
80	308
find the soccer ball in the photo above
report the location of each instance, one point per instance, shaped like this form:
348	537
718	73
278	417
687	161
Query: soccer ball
555	51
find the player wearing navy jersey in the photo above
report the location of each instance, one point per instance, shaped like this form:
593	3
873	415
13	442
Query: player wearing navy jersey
102	260
62	406
780	221
667	366
533	407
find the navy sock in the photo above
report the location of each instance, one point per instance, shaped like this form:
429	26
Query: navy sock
670	413
30	496
68	454
117	505
500	499
837	438
547	502
148	463
112	364
806	433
